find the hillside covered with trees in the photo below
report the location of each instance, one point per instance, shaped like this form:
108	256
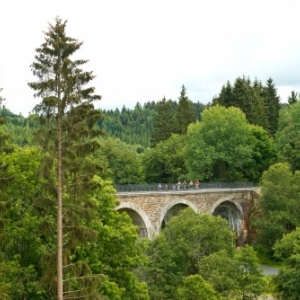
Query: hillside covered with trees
61	236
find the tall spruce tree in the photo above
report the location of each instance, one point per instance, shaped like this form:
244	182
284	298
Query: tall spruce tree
225	97
185	113
164	122
67	118
242	97
260	110
293	98
272	101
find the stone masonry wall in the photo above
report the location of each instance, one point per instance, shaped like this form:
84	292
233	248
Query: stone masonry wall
155	205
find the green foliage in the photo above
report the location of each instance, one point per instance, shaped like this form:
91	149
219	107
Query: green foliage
185	113
20	129
130	126
225	97
288	249
115	252
234	277
260	103
27	229
220	270
165	162
287	282
71	199
287	137
164	122
272	101
293	98
194	257
219	147
21	242
263	154
250	277
123	161
67	119
175	254
289	245
147	125
195	287
279	206
5	148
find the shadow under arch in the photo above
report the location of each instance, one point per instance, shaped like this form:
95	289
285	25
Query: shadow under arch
232	211
139	218
172	209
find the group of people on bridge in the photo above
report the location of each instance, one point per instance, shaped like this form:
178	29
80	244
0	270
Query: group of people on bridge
180	186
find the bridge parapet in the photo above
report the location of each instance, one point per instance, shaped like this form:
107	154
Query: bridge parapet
181	187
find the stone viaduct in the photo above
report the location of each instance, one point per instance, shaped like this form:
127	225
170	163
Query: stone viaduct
151	210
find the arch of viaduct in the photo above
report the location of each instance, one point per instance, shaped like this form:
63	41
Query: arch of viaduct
151	210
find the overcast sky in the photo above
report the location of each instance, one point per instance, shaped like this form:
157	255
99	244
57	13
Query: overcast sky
143	50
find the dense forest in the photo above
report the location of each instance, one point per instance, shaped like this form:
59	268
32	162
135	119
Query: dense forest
61	236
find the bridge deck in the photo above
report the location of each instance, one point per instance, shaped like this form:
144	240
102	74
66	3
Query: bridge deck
185	192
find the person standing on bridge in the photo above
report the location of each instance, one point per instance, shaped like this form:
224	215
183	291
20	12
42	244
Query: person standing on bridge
197	183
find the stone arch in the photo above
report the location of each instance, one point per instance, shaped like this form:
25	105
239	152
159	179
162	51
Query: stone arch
230	210
139	218
172	209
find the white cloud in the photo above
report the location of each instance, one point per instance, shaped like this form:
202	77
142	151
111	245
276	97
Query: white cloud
144	50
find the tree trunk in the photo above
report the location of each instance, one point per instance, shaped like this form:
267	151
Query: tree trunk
59	200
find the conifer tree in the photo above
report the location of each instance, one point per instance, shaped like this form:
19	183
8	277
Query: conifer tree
293	98
225	97
185	113
272	101
67	117
164	122
260	103
242	97
260	110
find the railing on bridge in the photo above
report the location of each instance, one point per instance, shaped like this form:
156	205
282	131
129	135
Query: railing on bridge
183	187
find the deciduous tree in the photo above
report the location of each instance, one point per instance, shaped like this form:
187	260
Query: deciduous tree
220	270
263	154
175	254
195	287
21	241
287	139
124	164
234	276
165	162
4	148
250	278
218	147
288	250
279	206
